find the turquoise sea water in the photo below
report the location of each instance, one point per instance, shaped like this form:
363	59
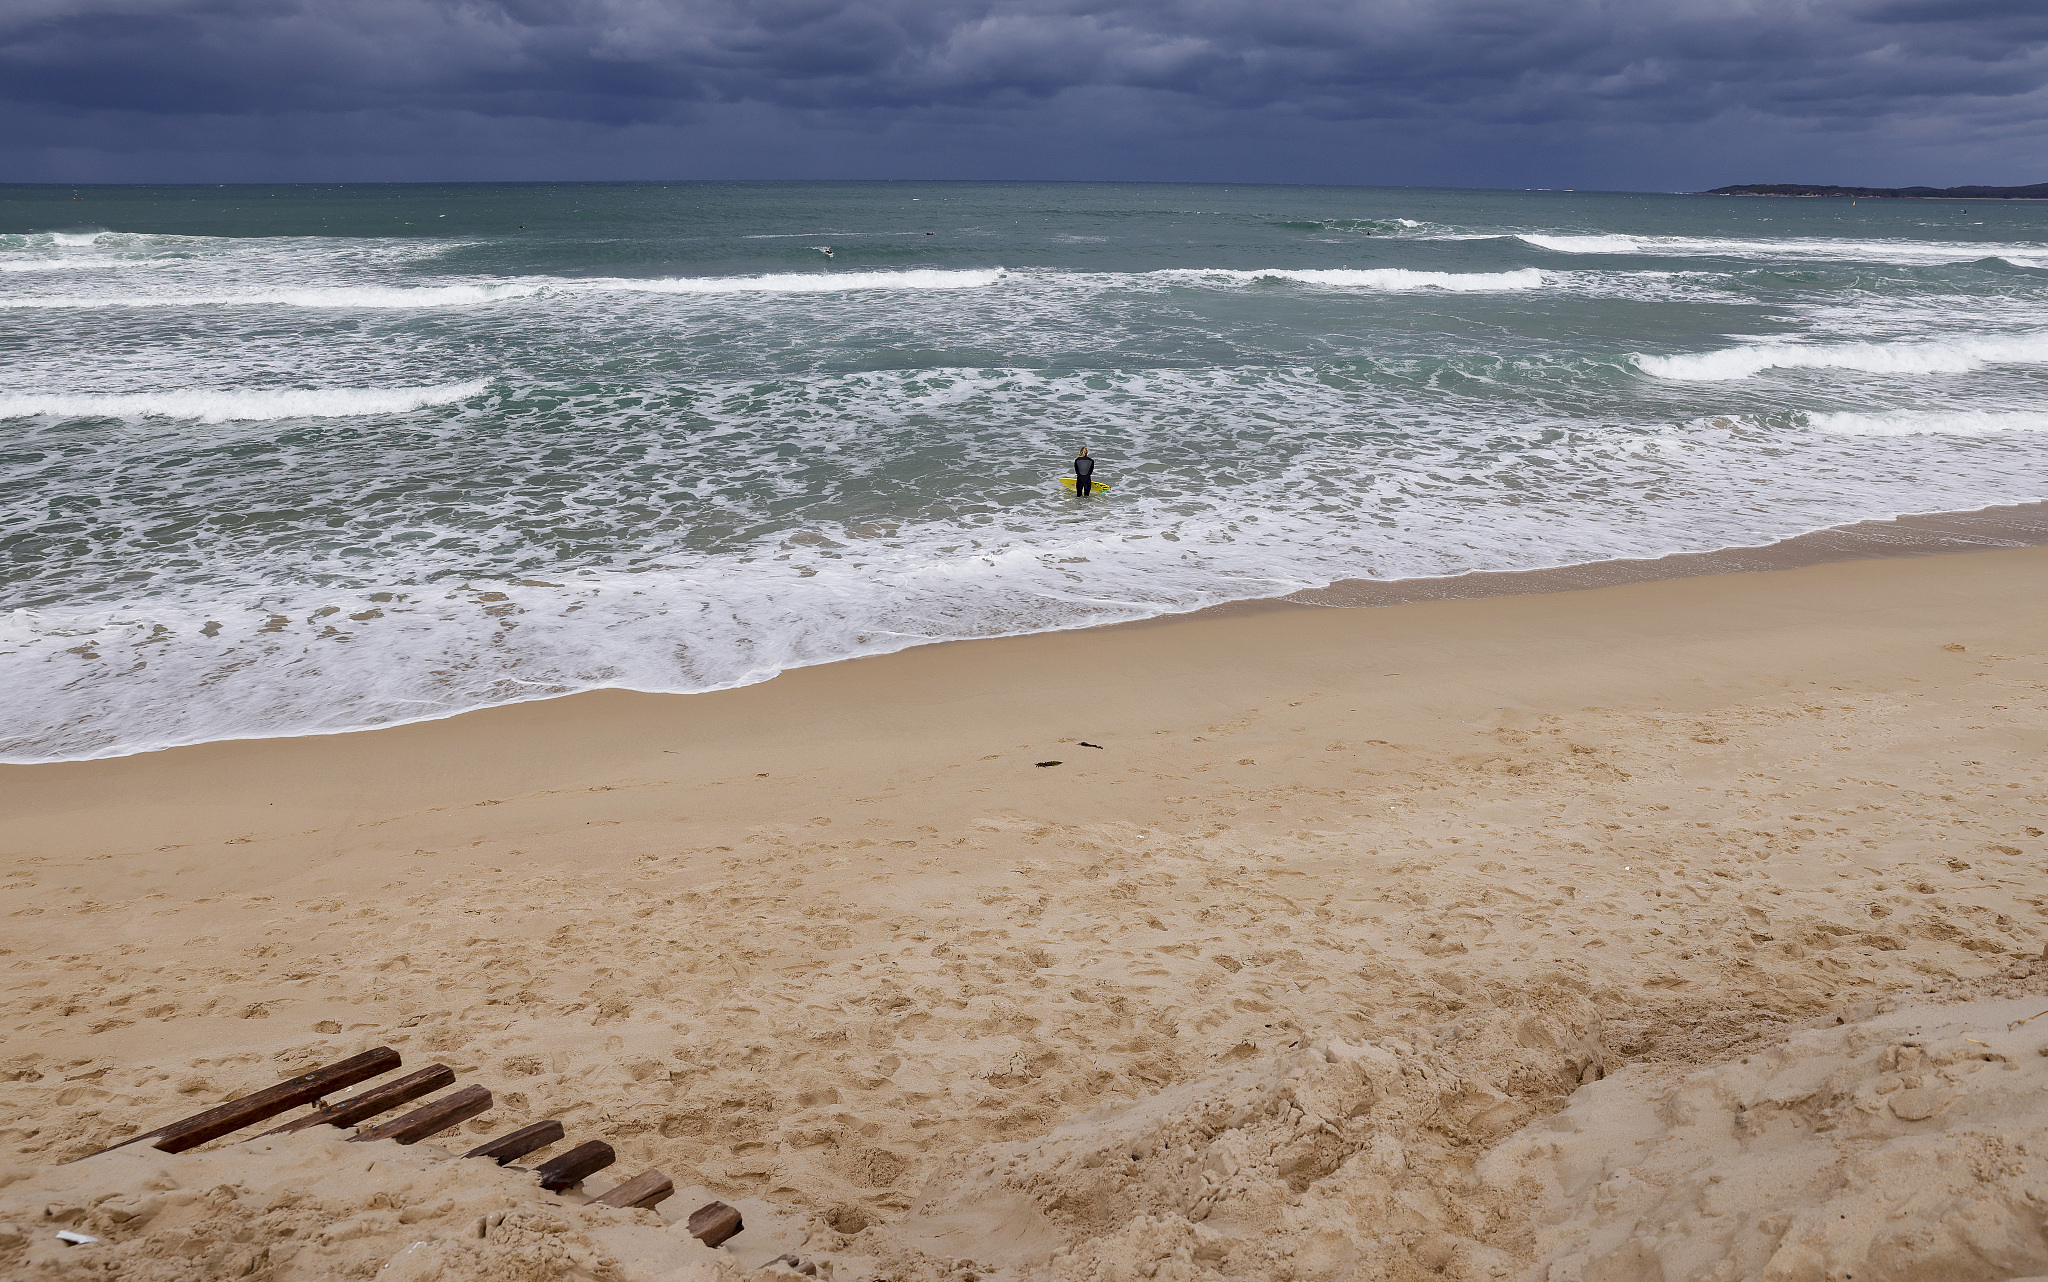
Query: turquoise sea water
294	459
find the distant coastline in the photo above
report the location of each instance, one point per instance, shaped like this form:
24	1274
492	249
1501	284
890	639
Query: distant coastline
2038	191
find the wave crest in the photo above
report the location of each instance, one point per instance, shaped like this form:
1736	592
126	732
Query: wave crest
376	296
1582	244
1796	248
1935	356
224	405
802	282
1931	423
1388	278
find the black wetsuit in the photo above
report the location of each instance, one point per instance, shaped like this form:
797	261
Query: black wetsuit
1084	475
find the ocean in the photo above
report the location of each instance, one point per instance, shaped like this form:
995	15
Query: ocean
290	460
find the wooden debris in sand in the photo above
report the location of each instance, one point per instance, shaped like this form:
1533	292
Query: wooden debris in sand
371	1102
519	1143
449	1110
267	1103
568	1170
647	1189
713	1224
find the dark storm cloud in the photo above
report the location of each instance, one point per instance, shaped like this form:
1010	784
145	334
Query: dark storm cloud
1962	70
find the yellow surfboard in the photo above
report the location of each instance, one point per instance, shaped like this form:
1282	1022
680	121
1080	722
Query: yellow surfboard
1096	488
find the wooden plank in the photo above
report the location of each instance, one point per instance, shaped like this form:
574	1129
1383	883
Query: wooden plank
215	1122
519	1143
449	1110
569	1169
649	1188
715	1223
377	1099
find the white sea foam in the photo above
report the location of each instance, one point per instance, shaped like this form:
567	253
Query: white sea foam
1232	483
70	264
800	282
1797	248
233	405
1935	356
470	295
1584	244
1382	278
1932	422
436	296
368	296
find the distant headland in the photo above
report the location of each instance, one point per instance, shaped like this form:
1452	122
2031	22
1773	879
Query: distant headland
2039	191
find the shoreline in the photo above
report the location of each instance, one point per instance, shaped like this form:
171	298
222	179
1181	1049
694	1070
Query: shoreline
1911	535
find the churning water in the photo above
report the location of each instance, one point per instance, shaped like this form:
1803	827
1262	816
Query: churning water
285	460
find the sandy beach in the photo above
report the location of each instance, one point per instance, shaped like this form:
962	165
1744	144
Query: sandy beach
1270	944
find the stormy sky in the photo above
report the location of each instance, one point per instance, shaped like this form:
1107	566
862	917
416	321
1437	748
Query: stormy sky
1621	94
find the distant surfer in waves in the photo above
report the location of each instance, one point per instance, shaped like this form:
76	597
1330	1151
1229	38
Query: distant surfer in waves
1084	474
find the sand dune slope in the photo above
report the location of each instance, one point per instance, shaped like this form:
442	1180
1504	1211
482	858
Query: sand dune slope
1911	1144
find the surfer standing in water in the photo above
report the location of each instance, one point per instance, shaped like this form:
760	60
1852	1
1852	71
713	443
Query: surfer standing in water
1084	474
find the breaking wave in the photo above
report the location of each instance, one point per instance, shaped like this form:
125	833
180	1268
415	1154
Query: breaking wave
1797	248
1390	278
472	295
1935	356
1932	423
222	406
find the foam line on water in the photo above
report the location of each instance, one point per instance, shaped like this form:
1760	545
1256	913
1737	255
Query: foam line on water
367	296
1584	244
1389	279
1931	356
469	295
803	282
72	264
1908	252
237	405
1380	278
1931	422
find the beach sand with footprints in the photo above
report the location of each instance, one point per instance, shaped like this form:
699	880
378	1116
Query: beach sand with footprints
1676	929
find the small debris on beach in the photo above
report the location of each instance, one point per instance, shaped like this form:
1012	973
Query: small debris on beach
1043	764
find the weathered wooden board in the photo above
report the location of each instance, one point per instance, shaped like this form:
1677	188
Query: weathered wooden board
449	1110
715	1223
518	1144
377	1099
267	1103
649	1188
569	1169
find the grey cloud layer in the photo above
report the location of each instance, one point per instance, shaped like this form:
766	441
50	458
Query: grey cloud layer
1953	78
615	60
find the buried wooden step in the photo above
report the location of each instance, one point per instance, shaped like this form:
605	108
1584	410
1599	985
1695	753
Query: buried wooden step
647	1189
568	1170
449	1110
377	1099
267	1103
519	1143
715	1223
